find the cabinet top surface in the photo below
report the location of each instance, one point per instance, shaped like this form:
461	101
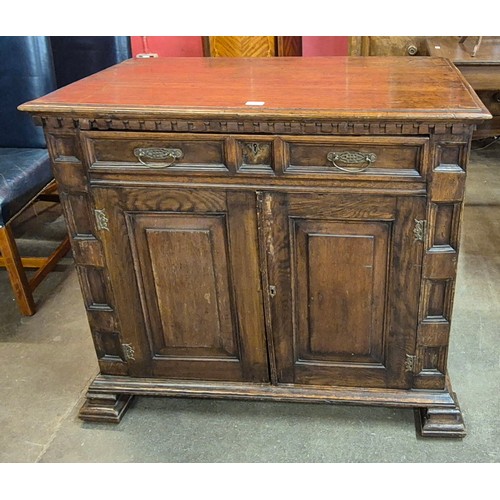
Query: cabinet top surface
365	88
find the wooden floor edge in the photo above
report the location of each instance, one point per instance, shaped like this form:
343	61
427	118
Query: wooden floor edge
223	390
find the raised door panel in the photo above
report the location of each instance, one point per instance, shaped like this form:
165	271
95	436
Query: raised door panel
192	264
339	277
181	267
345	274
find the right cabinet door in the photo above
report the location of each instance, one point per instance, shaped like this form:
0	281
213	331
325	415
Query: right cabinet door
343	273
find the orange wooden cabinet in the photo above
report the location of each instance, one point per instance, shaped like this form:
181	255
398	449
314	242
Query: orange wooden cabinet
273	228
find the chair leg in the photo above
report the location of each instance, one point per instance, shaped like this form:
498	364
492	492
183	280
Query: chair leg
49	263
17	276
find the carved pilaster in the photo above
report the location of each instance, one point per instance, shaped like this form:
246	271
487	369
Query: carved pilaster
449	155
70	172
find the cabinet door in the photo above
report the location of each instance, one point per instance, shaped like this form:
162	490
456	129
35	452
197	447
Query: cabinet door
343	273
184	270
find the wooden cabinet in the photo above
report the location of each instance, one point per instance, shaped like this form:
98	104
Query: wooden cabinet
276	229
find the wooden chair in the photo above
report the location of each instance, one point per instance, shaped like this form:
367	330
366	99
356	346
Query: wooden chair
26	72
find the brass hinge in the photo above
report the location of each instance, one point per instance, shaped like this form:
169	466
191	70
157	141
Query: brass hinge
410	363
101	219
420	229
128	352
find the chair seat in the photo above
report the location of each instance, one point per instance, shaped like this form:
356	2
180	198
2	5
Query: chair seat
24	172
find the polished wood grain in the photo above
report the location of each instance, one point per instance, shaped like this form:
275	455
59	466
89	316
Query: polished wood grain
242	46
252	46
333	88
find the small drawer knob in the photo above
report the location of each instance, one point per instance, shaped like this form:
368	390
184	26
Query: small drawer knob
412	50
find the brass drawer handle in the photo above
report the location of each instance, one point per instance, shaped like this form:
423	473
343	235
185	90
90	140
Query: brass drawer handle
156	154
352	158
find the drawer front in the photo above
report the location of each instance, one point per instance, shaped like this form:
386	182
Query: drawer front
354	156
254	155
138	150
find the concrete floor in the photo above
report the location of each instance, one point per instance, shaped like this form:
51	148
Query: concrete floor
48	360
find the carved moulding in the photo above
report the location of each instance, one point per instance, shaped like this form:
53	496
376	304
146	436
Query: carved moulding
313	127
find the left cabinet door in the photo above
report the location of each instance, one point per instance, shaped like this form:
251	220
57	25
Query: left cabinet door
184	268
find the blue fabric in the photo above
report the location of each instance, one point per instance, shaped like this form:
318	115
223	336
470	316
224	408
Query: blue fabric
76	57
26	72
24	172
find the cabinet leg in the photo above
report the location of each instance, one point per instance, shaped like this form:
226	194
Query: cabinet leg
103	407
440	422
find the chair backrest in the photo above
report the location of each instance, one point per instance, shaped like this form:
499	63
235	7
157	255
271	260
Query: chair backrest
76	57
26	72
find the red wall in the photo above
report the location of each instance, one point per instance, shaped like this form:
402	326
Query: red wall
325	45
166	46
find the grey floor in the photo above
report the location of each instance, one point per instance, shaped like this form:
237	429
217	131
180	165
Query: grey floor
47	361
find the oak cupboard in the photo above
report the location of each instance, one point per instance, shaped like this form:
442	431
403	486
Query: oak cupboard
282	228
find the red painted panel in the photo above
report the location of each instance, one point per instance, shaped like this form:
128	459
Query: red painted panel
168	46
325	45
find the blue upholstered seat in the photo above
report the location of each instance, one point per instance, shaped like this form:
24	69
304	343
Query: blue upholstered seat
24	172
27	72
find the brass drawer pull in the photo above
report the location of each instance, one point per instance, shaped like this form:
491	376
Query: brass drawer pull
352	158
156	154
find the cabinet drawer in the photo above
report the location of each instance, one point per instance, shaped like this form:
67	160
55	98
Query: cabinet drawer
346	156
139	150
